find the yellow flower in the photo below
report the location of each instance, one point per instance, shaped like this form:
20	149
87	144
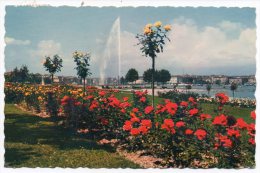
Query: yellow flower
148	25
158	24
147	31
167	27
40	98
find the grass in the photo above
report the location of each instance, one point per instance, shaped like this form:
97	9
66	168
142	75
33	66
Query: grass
31	141
234	111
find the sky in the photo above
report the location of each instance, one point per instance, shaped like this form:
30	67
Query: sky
204	41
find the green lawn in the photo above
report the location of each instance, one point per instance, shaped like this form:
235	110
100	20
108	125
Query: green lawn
235	111
32	141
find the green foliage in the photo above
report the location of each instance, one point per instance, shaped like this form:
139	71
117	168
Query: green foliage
208	87
122	80
18	75
82	64
233	87
147	76
53	65
52	105
218	82
131	75
188	87
163	76
176	96
152	40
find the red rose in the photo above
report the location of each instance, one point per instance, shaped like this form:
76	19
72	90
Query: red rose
204	116
146	123
253	115
148	109
168	125
251	141
102	93
135	119
142	99
220	120
180	124
125	99
127	126
143	129
227	143
193	111
191	99
134	131
135	110
222	98
188	131
241	123
184	104
201	134
232	132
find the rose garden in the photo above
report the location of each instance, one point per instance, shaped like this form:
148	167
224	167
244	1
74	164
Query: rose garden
173	130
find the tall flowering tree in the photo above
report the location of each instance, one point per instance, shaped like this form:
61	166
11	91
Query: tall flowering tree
82	66
53	65
152	41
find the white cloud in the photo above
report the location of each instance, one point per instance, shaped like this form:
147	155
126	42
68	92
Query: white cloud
194	49
13	41
229	26
46	48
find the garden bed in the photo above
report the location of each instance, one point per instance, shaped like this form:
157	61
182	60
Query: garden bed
181	134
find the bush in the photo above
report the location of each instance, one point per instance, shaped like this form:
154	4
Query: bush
176	96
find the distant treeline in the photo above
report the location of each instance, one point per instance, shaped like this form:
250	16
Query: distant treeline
22	75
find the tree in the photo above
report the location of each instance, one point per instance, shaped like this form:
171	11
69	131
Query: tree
24	74
82	66
122	80
152	41
147	75
188	87
35	78
208	87
131	75
233	87
53	65
218	82
18	75
163	76
187	79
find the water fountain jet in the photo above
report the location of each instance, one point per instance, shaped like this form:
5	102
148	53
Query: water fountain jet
112	54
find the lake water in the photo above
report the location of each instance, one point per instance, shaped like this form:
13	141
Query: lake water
241	92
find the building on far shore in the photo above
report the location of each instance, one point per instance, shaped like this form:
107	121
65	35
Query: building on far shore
251	80
220	79
235	79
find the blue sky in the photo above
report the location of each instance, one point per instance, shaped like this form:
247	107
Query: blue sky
203	40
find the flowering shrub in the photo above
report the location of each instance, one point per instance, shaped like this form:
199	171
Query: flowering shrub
179	132
177	96
235	102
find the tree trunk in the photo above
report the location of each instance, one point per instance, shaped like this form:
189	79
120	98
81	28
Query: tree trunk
84	86
233	94
153	67
52	78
